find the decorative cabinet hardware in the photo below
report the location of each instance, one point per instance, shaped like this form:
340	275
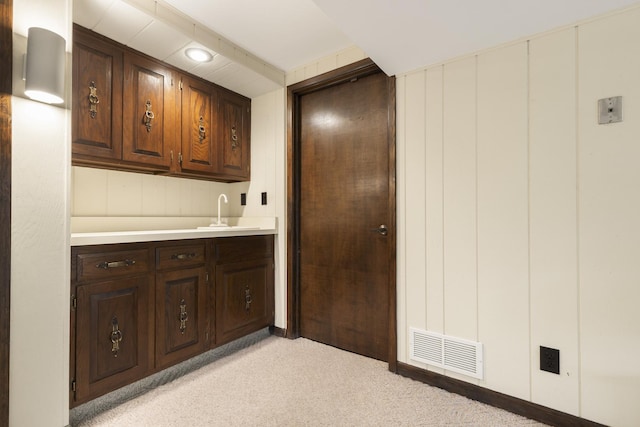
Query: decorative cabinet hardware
183	316
93	100
116	264
181	257
247	298
116	336
201	130
148	115
234	138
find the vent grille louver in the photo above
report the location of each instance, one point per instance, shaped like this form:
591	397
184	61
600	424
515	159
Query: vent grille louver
443	351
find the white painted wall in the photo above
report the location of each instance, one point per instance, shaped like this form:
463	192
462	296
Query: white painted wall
39	344
518	214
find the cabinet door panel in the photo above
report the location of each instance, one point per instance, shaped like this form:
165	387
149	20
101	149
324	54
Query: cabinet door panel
112	335
181	316
199	127
97	97
149	112
234	139
244	298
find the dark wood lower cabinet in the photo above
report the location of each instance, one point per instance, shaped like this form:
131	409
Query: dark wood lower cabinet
244	298
113	344
134	314
181	314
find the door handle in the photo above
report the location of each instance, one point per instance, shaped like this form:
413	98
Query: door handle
382	230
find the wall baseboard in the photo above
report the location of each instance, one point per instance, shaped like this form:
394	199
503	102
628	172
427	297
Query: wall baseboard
499	400
278	332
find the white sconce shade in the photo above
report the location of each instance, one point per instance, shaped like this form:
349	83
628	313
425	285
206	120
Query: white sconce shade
45	66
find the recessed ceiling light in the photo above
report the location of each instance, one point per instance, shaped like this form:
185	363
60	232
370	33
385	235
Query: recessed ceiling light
198	55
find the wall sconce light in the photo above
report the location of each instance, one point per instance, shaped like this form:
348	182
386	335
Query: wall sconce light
45	66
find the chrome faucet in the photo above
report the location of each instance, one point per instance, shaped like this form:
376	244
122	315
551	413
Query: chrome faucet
221	196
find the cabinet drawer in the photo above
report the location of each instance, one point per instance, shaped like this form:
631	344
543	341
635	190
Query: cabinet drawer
180	256
100	265
234	249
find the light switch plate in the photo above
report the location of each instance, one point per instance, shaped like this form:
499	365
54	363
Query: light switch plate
610	110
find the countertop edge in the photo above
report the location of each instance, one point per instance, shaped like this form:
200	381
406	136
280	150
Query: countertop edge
105	238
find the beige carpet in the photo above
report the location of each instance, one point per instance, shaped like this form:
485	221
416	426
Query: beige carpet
281	382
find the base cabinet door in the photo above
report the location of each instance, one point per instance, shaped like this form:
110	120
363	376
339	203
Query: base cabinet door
113	339
244	298
180	315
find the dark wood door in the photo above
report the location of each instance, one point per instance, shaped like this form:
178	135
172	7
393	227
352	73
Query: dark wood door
112	335
199	127
149	125
344	215
181	304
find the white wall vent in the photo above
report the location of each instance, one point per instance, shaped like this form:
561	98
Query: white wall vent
443	351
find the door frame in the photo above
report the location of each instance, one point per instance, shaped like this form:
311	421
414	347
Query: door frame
294	93
6	67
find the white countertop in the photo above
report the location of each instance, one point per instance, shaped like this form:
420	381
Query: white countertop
263	226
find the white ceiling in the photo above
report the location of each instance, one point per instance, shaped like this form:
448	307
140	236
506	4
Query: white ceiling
258	41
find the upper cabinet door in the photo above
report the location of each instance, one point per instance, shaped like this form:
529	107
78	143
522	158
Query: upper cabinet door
150	130
234	137
97	97
199	126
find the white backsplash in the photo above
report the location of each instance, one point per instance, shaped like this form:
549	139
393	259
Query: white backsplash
105	193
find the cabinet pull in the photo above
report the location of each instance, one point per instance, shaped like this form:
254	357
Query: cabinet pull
116	264
116	336
183	316
247	298
181	257
93	100
148	115
234	138
201	130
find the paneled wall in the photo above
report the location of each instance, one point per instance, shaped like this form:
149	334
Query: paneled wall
41	147
518	214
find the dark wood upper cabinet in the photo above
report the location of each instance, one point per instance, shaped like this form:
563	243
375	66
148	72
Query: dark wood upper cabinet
149	112
199	127
97	98
235	133
134	113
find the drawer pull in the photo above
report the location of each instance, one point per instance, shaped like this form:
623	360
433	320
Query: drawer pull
183	316
181	257
116	336
247	298
116	264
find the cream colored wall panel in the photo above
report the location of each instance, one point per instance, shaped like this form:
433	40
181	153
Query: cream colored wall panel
553	218
401	228
39	336
154	195
266	124
328	63
434	220
89	191
173	197
609	230
414	213
124	194
459	175
503	283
